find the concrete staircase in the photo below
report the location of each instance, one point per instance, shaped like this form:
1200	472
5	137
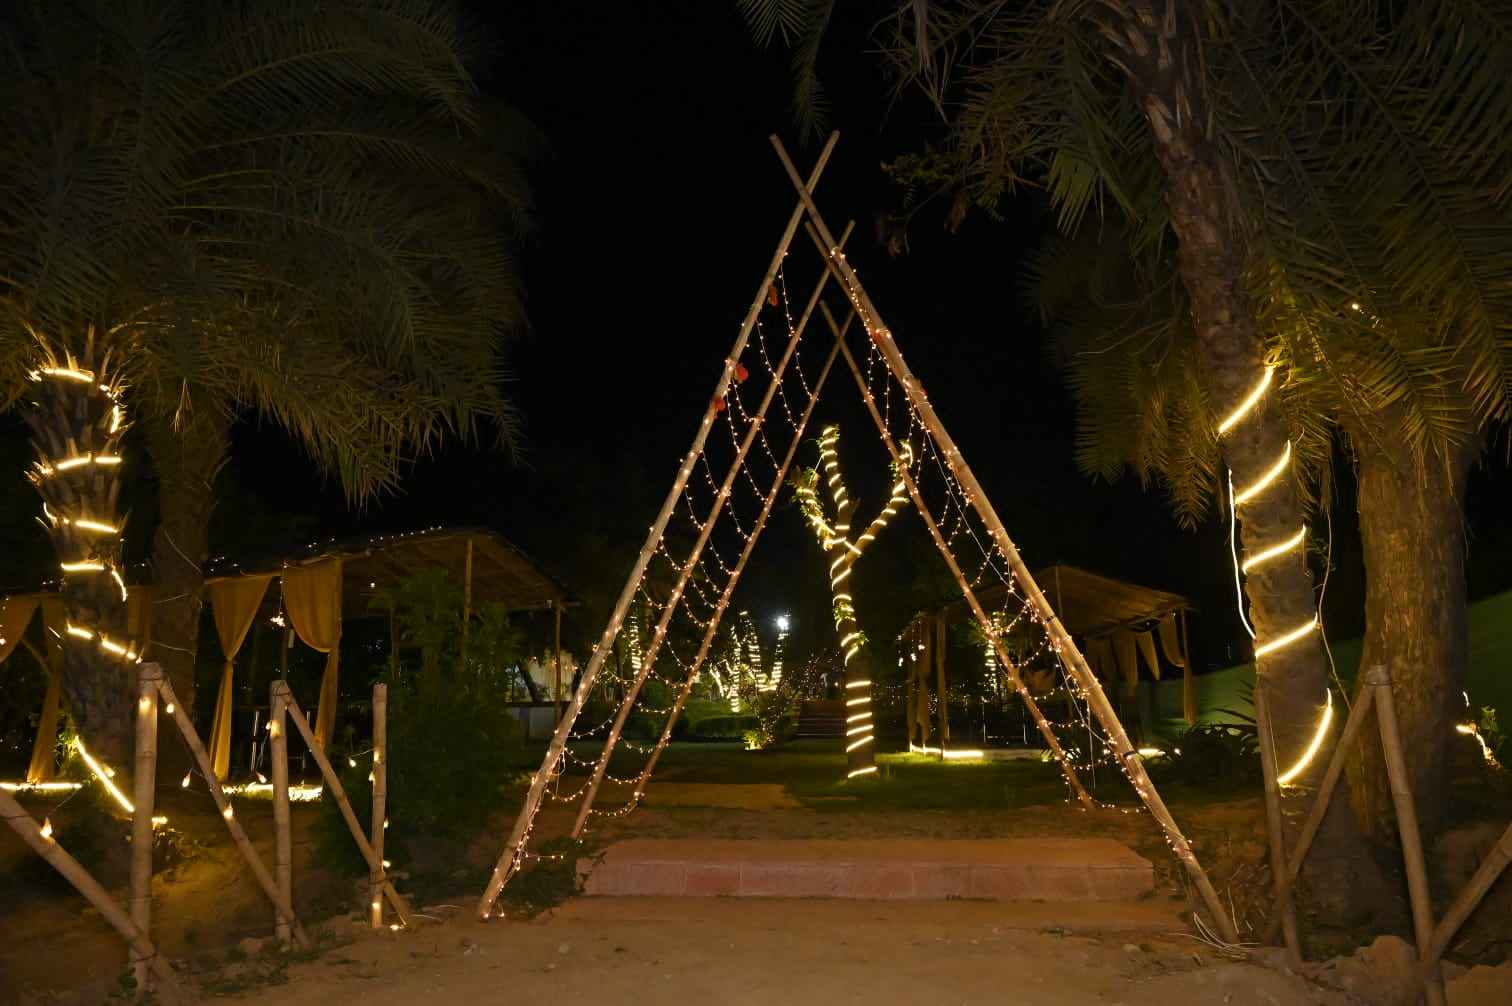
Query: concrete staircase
821	718
1010	869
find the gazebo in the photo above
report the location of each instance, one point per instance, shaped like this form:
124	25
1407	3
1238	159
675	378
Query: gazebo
322	585
1120	626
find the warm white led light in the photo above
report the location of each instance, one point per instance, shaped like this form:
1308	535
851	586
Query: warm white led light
1250	401
68	374
1288	639
861	771
860	743
858	684
79	633
83	566
103	774
1264	481
1274	550
1319	736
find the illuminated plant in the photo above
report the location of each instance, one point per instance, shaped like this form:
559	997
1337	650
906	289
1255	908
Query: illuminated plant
833	528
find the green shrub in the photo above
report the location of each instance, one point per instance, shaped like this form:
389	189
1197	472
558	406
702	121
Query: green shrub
451	751
1213	756
723	728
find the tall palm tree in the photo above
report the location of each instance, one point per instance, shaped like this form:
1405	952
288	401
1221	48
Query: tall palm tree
283	206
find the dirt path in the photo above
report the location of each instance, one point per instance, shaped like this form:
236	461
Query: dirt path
797	953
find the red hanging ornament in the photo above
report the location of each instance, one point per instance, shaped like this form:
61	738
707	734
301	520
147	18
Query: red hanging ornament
772	295
741	373
719	405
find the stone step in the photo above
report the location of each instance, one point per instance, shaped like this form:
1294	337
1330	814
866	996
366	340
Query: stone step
1006	869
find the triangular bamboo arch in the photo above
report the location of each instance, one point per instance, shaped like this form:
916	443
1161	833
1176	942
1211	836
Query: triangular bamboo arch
862	307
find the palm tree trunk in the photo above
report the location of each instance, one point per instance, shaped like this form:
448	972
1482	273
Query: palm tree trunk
187	461
860	752
1416	620
1158	50
76	425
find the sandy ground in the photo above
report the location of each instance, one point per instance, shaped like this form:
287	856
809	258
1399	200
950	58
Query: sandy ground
653	951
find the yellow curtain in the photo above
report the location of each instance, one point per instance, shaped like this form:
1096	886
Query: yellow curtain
1146	643
1099	655
15	615
1125	652
1170	642
312	597
234	604
43	763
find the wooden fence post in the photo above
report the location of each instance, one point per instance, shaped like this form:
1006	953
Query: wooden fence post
380	799
143	798
1379	679
278	754
1275	825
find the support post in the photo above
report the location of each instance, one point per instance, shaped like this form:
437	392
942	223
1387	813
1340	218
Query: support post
1378	679
238	835
1276	826
939	661
1468	899
979	500
143	798
380	800
278	756
955	570
514	848
58	858
338	793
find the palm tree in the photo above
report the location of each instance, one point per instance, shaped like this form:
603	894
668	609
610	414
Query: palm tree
284	207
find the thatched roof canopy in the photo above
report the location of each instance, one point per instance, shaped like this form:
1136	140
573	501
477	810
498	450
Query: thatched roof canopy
1089	604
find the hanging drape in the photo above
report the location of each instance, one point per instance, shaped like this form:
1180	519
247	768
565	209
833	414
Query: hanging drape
234	604
312	597
1170	642
44	762
1146	643
1100	657
1126	654
15	615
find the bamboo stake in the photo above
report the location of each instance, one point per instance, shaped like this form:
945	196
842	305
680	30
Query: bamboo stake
1076	662
284	905
602	764
933	525
58	858
380	799
143	795
1379	680
335	790
1466	902
729	587
1275	825
939	661
1320	804
648	661
278	743
514	848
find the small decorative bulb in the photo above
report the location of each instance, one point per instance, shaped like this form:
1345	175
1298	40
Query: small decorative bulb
351	762
168	709
228	813
47	828
185	783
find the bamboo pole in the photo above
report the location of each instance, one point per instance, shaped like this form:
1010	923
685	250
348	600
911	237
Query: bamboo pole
335	790
1468	899
1325	794
758	418
729	588
1379	680
380	799
1076	663
284	905
955	570
939	662
143	797
278	755
514	848
648	661
1285	909
58	858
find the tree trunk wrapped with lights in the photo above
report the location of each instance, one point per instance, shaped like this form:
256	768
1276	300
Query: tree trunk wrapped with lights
833	532
76	423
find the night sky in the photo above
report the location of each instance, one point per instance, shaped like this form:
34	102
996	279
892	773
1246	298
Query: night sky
660	202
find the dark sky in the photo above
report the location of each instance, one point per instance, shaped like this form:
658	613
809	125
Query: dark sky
660	203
